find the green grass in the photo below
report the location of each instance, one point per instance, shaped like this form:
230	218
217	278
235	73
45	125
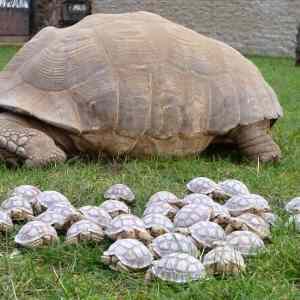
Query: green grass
65	272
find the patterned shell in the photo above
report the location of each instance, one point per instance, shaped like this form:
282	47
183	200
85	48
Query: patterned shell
205	233
202	185
173	242
293	206
232	187
139	76
86	228
29	192
191	214
119	192
115	207
161	208
65	210
48	199
18	208
223	258
219	209
96	215
34	231
178	267
242	203
6	223
201	199
59	216
256	224
123	223
197	198
158	220
131	253
166	197
247	242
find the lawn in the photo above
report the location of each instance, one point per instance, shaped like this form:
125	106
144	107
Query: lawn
65	272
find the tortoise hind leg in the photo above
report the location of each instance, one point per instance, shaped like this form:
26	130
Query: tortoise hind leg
256	142
28	145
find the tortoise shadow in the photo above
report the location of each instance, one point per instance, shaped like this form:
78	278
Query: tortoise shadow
215	152
228	152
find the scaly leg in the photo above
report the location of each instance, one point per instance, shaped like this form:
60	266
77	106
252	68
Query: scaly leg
256	142
28	145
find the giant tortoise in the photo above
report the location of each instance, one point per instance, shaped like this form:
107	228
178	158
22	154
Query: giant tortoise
131	84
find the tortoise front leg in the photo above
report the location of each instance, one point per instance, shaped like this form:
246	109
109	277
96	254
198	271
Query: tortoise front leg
256	142
29	145
121	268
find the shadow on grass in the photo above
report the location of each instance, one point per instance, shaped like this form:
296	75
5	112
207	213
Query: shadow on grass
115	165
216	152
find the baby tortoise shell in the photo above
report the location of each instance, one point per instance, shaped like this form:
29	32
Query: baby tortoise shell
61	217
232	187
119	191
18	208
176	267
251	203
158	224
224	260
191	214
220	214
172	242
161	208
202	185
128	226
196	198
127	255
84	231
206	233
250	222
96	215
247	242
35	234
293	206
114	207
49	199
28	192
166	197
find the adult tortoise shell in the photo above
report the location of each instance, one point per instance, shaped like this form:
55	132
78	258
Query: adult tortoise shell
132	83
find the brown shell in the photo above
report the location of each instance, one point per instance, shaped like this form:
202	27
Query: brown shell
139	77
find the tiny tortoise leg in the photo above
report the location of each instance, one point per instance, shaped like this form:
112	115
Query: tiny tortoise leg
256	142
29	145
149	276
121	268
157	231
229	228
144	236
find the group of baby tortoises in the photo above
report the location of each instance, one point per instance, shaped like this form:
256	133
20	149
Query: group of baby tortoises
177	240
